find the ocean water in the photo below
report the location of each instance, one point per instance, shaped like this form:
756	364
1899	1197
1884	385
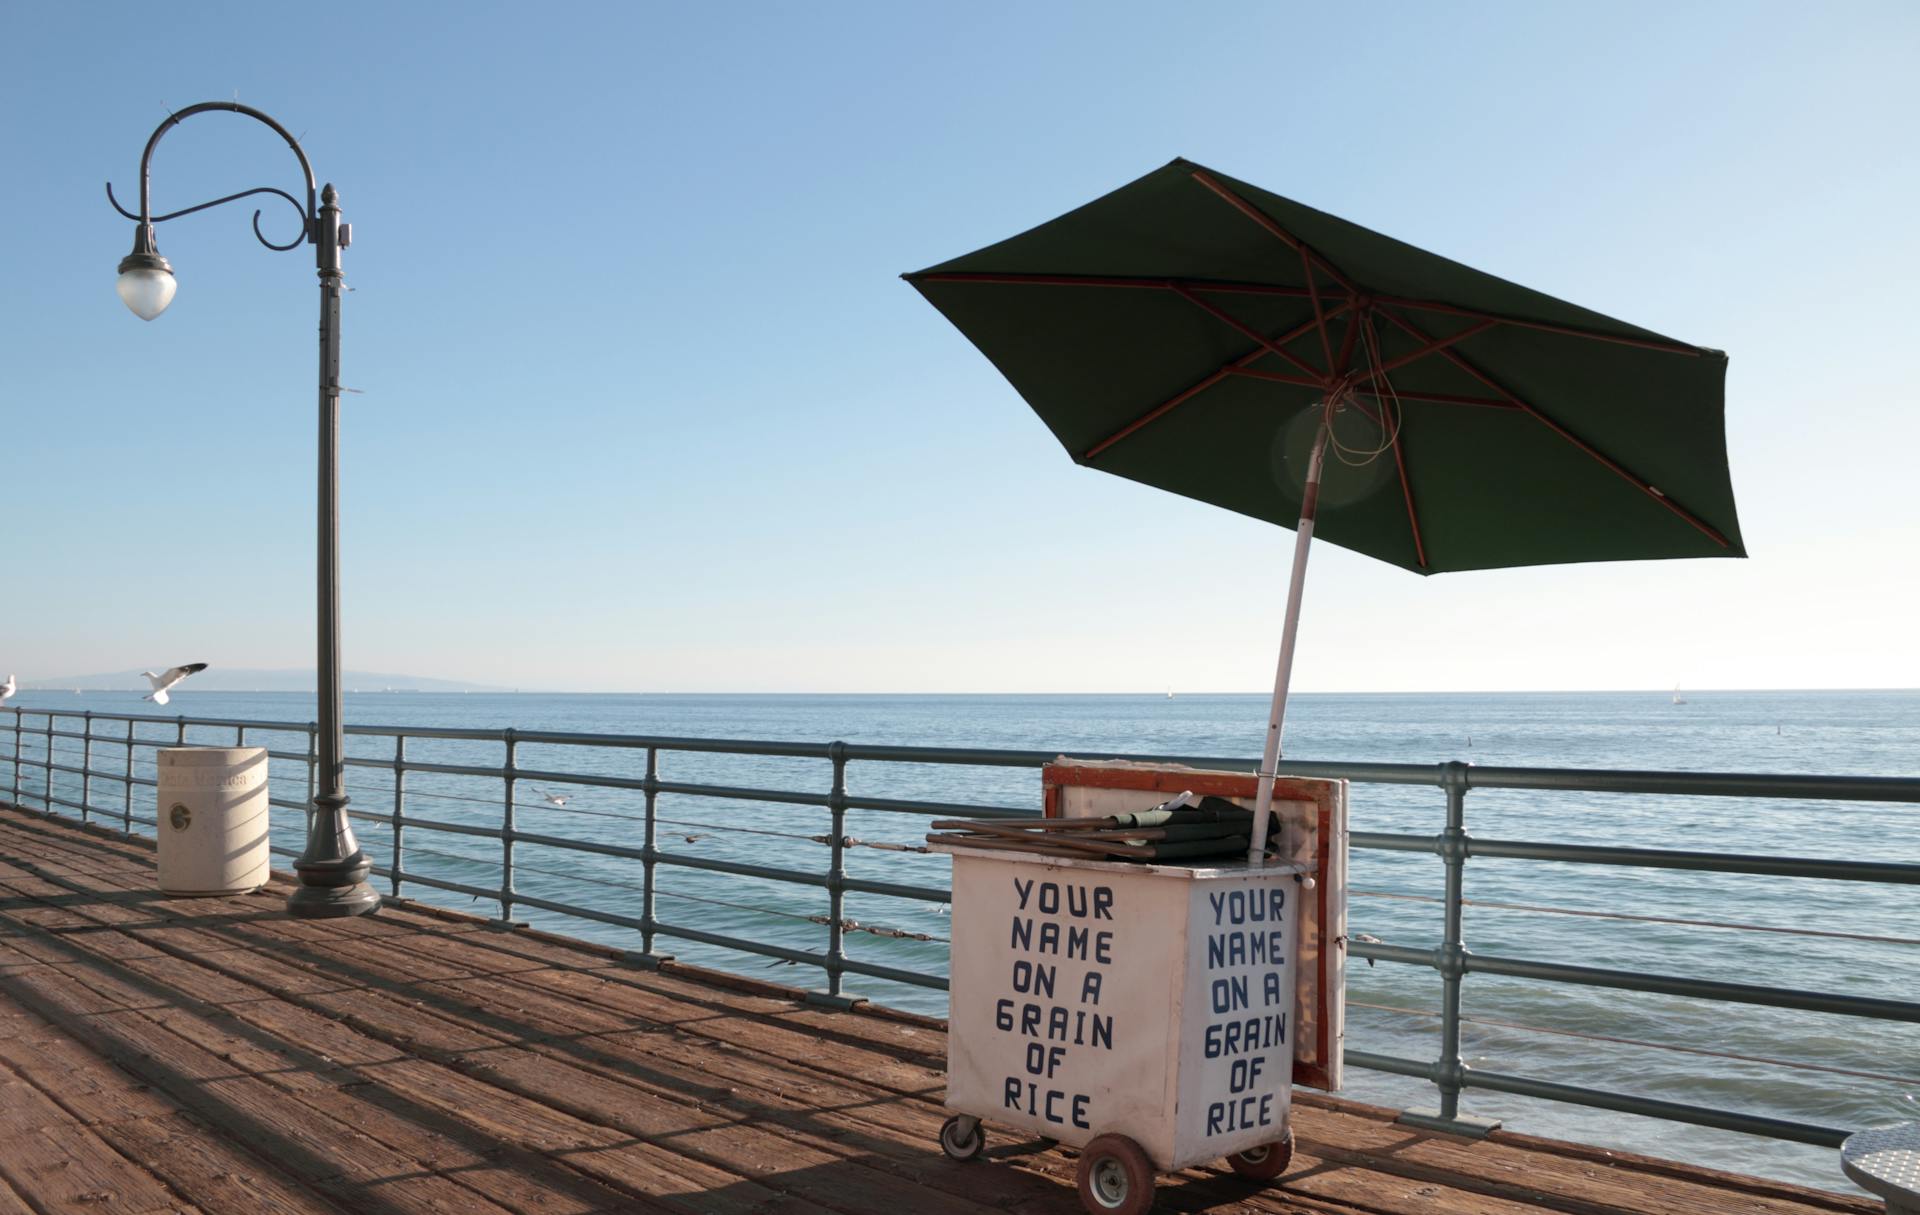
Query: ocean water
1846	937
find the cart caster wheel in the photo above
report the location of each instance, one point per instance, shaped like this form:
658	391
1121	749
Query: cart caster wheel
1265	1162
1115	1177
959	1146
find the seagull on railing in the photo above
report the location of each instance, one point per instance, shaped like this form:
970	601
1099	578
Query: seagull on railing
7	689
167	678
554	799
1366	938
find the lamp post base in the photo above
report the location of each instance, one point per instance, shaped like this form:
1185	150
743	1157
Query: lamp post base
332	871
332	902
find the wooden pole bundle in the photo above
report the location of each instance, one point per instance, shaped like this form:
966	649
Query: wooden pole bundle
1185	828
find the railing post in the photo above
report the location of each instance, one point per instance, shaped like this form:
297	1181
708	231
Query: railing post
506	837
649	861
399	812
46	765
86	767
837	870
833	997
126	789
15	799
1449	1071
180	739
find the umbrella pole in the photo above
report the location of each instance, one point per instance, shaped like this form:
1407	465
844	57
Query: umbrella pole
1283	673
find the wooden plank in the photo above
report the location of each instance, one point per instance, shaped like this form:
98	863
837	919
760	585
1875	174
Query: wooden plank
11	1203
145	1127
672	1113
59	1165
89	1090
196	1158
1653	1171
329	1154
622	1107
669	1172
1501	1166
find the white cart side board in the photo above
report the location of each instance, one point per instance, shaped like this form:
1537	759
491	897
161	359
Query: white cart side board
1062	1035
1236	1041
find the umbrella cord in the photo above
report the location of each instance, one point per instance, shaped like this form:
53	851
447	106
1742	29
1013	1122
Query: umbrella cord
1359	457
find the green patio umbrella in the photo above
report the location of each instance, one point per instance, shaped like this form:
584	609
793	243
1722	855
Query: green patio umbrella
1202	335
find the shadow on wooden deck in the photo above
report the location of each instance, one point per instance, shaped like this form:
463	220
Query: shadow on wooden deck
211	1055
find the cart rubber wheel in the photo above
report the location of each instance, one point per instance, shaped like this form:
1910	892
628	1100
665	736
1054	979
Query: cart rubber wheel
1265	1162
958	1147
1115	1177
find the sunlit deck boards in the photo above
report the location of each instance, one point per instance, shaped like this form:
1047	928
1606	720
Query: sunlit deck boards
209	1055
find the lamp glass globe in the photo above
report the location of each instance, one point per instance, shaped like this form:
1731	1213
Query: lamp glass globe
146	291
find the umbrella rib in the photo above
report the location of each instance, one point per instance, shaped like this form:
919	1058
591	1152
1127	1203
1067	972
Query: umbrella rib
1391	409
1545	327
1434	346
1319	316
1346	344
1003	279
1273	228
1227	318
1239	366
1278	378
1406	492
1440	398
1313	257
1645	487
1157	412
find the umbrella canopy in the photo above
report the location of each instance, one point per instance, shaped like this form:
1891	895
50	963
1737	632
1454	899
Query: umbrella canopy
1185	330
1202	335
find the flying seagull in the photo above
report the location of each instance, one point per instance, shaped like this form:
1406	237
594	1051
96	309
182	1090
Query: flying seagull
166	680
554	799
7	689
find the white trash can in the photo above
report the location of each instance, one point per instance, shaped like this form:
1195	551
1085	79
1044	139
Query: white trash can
212	825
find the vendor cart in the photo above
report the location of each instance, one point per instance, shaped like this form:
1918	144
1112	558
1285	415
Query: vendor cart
1141	1013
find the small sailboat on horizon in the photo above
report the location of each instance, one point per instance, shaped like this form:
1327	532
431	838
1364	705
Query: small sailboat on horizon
1677	698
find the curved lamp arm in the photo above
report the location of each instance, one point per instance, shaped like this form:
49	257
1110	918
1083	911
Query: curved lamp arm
161	219
309	214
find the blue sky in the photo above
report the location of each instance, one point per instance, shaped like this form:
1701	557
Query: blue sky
647	408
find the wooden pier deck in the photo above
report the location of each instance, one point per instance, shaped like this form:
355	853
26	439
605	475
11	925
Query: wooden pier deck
210	1055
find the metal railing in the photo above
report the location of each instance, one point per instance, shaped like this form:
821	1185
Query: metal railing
44	730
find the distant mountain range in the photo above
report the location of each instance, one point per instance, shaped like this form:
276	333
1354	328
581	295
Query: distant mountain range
243	679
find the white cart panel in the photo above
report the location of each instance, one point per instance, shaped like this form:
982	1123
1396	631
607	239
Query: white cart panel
1236	1037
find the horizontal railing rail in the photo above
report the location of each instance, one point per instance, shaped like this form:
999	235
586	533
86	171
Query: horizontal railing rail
41	729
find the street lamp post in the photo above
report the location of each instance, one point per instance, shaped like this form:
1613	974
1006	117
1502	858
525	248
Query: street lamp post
332	869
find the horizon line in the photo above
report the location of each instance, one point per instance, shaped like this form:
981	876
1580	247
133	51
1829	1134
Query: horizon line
1163	694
